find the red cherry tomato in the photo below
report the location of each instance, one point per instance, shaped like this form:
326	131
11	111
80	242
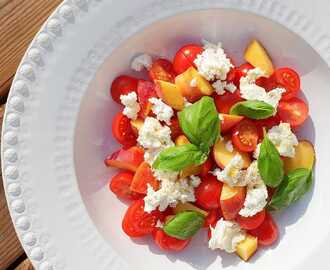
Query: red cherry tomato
185	57
145	90
122	85
120	185
123	131
212	218
293	111
267	232
268	123
286	78
175	128
168	243
206	167
208	192
245	136
138	223
162	69
251	223
226	101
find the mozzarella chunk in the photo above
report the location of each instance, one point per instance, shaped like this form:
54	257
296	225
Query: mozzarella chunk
132	107
226	236
162	111
213	63
141	61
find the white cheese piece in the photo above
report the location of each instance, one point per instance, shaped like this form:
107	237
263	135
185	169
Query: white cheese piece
162	111
219	87
132	107
153	135
213	63
195	181
232	174
226	236
141	61
229	146
230	87
283	139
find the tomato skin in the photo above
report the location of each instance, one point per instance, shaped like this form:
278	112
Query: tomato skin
136	222
122	85
293	111
175	128
286	78
162	69
206	167
122	130
168	243
144	176
120	185
251	223
185	56
212	218
245	136
267	232
226	101
268	123
208	192
145	90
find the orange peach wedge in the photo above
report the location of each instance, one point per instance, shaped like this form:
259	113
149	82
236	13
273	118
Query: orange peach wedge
170	94
231	201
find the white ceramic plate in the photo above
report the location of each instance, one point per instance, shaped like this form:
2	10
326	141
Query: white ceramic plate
57	128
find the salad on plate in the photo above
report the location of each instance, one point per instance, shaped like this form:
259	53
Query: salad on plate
207	144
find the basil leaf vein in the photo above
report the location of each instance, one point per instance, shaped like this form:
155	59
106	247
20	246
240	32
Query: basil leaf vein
253	109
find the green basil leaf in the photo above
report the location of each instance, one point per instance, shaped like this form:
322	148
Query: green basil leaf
176	158
184	225
270	164
253	109
200	123
295	185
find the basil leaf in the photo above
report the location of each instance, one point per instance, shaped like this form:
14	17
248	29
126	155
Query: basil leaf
176	158
184	225
294	186
200	123
253	109
270	164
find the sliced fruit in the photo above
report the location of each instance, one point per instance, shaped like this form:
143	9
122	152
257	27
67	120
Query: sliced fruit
120	185
245	136
192	85
226	101
162	69
185	57
247	247
231	201
168	243
222	156
129	159
170	94
293	111
250	223
175	128
206	167
136	125
190	170
257	56
304	157
145	90
122	130
181	207
181	140
228	121
122	85
212	218
144	176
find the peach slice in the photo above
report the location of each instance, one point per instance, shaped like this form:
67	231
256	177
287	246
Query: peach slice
231	201
129	159
257	56
136	125
222	156
181	140
304	157
142	177
170	94
247	247
229	121
193	85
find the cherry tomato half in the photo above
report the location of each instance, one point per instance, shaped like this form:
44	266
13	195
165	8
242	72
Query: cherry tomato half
226	101
137	223
286	78
120	185
175	128
185	57
212	218
245	136
206	167
293	111
267	232
168	243
251	223
162	69
123	131
122	85
208	192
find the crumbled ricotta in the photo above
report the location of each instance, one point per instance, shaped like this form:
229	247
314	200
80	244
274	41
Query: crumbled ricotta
226	236
153	135
219	87
229	146
213	63
193	82
230	87
162	111
159	224
283	139
232	174
141	61
195	181
250	91
132	107
257	151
